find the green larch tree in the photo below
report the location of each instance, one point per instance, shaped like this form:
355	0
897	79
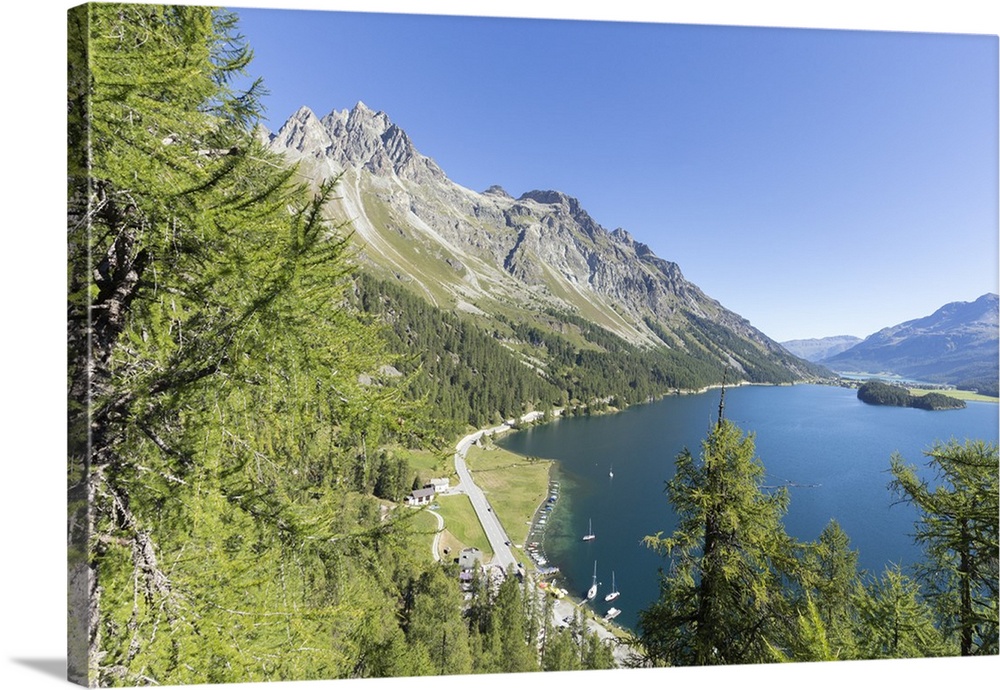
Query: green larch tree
829	577
215	406
957	526
894	620
437	624
721	599
809	641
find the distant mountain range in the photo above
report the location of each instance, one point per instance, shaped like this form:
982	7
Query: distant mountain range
959	344
818	349
501	260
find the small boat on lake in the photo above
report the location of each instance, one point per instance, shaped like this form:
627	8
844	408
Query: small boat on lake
592	592
612	613
589	536
614	592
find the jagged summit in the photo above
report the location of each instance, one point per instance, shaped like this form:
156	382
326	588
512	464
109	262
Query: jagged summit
303	132
359	137
303	114
623	235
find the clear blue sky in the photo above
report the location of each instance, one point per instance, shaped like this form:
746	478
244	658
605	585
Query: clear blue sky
818	182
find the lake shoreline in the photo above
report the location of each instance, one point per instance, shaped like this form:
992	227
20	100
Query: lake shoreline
830	447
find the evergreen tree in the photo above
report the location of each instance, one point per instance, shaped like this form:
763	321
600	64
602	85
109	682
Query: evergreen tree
809	641
436	623
829	576
597	654
561	652
509	630
958	527
722	600
895	622
216	412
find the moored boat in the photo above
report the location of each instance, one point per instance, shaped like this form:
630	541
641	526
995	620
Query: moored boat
592	592
613	594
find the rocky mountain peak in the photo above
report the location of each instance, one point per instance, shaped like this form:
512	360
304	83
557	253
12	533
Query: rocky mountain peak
497	190
623	235
364	120
568	206
303	132
360	138
551	196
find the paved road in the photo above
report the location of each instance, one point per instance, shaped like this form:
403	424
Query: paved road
435	545
495	533
502	554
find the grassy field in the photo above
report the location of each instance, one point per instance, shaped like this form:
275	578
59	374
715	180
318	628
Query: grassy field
461	525
961	395
514	485
429	464
424	527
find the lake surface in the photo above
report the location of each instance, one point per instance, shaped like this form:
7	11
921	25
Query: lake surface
835	448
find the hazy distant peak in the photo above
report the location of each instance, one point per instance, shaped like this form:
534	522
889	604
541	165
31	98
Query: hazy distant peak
982	311
818	349
957	344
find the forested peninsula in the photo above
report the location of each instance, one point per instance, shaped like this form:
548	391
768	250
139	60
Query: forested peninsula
880	393
244	402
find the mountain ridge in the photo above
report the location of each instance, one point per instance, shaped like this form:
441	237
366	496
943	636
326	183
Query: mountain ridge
490	253
957	344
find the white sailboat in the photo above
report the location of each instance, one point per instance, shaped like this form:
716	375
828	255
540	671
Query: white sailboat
614	592
611	472
589	536
592	592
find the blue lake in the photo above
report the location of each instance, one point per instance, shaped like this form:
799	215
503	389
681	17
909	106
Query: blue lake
830	447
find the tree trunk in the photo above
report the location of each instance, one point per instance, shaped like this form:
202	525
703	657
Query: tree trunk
965	588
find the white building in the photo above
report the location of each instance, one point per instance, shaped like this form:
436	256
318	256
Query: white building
440	485
420	497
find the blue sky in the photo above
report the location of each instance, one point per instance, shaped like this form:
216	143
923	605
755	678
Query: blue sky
818	182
